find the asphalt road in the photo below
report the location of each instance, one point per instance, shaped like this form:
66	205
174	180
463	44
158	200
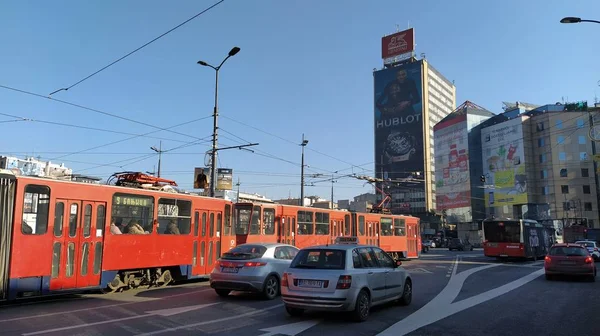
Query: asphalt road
455	293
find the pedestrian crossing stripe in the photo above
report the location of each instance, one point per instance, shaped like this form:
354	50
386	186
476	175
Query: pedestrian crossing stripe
419	270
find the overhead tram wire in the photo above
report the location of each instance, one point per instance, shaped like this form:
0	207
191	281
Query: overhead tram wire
133	137
138	49
94	110
287	140
83	127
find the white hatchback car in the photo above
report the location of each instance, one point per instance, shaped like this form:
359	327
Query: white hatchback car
592	248
344	277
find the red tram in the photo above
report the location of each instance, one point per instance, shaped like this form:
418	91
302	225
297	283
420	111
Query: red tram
63	236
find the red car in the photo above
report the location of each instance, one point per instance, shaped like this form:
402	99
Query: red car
569	259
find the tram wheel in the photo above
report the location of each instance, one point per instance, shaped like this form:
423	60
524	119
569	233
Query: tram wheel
165	279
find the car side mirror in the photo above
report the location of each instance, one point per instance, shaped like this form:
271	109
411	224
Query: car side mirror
398	263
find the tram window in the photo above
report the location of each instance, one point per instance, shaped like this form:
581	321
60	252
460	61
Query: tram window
196	223
399	227
347	224
386	227
97	258
195	253
322	223
87	221
133	214
56	251
101	218
211	230
305	223
210	253
269	221
204	224
174	216
255	222
227	220
85	254
59	215
218	244
70	259
73	219
202	252
361	225
36	206
292	227
219	224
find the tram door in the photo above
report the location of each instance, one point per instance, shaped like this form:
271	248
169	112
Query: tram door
411	240
78	244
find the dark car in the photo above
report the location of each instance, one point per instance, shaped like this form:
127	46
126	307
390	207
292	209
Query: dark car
569	259
459	245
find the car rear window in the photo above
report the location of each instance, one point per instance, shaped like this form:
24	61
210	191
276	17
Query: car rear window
568	251
320	259
244	252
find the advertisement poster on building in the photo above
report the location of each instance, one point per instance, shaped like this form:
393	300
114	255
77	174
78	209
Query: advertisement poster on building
398	122
452	178
504	164
201	178
224	179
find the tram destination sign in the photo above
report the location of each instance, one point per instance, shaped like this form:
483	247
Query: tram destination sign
133	200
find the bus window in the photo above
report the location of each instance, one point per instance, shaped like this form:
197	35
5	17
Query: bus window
133	214
386	226
305	223
502	231
269	221
399	227
322	223
36	206
174	216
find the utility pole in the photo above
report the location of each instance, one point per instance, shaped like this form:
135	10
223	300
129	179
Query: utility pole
159	151
213	153
303	144
238	189
332	182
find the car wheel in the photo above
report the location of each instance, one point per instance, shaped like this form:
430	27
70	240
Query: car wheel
222	292
362	308
406	297
271	287
294	311
471	248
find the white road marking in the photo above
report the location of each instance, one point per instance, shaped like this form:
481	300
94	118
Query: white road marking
291	329
162	312
99	307
441	306
440	266
419	270
186	326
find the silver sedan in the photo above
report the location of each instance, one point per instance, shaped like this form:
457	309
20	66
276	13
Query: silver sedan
256	267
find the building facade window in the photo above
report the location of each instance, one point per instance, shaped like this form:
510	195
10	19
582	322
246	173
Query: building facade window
558	124
583	156
581	139
560	140
562	156
587	206
546	190
540	142
543	174
585	172
564	189
587	189
580	123
564	172
542	158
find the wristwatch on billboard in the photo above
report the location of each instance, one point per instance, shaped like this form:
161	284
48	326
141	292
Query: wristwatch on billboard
399	146
595	133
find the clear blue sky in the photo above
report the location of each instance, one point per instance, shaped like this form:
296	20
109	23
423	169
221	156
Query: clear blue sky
305	67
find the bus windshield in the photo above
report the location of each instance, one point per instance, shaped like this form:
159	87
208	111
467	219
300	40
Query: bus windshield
241	217
502	231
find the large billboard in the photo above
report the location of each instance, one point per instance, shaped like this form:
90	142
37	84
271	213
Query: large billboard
504	164
398	43
452	180
398	121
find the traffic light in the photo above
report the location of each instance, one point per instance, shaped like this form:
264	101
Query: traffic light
482	178
580	106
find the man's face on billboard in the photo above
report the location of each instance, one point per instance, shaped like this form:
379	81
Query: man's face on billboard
401	76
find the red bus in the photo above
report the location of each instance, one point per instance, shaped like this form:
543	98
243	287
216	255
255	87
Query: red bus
62	236
306	226
516	238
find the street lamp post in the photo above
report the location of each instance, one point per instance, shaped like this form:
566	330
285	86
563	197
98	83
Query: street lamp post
303	144
213	154
571	19
159	151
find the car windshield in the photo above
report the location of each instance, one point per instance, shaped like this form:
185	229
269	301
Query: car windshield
243	252
320	259
570	251
586	244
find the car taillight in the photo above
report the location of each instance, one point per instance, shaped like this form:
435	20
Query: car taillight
589	260
596	249
254	264
284	280
547	259
344	282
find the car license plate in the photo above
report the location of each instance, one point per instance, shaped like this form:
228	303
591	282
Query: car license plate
504	255
310	283
230	270
568	263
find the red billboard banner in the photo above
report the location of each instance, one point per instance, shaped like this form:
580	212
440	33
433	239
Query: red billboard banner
397	44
